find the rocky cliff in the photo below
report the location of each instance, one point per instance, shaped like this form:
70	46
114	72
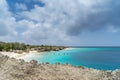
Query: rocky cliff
12	69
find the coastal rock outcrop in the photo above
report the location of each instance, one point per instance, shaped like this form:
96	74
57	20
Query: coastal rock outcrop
13	69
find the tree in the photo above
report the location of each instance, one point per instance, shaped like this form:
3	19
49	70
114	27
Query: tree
1	48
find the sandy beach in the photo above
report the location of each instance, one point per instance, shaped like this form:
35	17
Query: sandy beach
25	55
12	54
17	55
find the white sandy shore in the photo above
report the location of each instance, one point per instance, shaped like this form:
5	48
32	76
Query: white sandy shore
18	56
11	54
26	56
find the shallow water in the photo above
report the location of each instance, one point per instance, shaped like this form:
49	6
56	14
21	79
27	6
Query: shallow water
98	58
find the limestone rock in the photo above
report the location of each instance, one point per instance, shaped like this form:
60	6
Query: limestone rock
12	69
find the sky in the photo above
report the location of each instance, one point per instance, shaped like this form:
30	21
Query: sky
61	22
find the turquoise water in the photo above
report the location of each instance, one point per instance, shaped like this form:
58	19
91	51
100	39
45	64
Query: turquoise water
98	58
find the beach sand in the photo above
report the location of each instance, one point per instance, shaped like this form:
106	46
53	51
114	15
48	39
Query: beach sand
16	55
11	54
25	56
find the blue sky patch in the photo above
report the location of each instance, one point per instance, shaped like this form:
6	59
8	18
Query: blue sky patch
28	3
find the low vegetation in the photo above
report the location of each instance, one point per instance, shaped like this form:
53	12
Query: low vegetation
26	47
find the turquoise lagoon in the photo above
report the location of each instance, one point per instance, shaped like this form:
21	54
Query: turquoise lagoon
98	58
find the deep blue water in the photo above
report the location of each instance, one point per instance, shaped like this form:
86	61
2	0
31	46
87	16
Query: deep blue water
98	58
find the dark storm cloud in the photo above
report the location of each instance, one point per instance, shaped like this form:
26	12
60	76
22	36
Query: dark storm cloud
104	16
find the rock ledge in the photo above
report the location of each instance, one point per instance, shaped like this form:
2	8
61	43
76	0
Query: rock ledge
12	69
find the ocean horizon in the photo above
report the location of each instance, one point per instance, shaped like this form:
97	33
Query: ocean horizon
101	58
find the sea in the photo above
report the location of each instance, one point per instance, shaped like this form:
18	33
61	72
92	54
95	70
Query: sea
101	58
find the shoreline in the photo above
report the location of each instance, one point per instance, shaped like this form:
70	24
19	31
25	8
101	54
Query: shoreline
20	70
68	48
22	55
27	57
16	55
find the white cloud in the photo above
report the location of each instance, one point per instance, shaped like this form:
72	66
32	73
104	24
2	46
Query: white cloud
37	33
20	6
7	22
54	20
57	20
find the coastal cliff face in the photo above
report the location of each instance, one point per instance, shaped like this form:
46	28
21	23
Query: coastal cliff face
12	69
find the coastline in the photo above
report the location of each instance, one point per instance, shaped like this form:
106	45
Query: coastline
69	48
54	57
25	55
12	69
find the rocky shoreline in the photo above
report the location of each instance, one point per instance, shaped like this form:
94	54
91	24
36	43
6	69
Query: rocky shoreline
13	69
